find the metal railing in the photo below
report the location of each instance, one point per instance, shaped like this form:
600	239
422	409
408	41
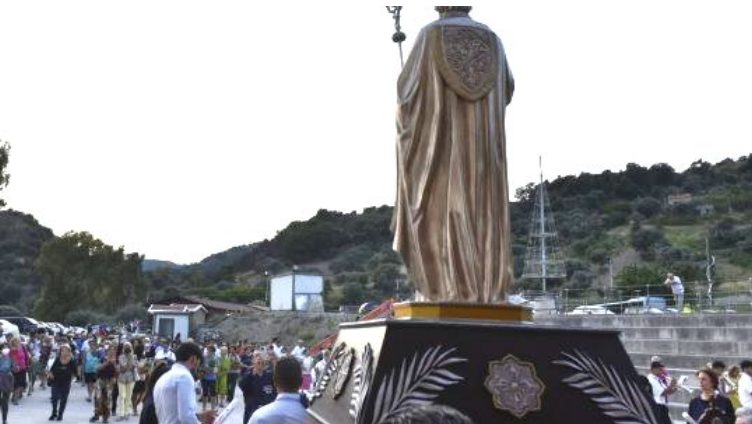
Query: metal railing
696	299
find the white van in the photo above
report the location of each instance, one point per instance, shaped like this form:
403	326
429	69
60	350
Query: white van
7	327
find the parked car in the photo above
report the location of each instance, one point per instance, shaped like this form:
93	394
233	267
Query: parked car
25	325
8	328
57	327
591	310
47	328
77	330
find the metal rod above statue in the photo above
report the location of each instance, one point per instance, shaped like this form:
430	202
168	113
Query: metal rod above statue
398	36
451	221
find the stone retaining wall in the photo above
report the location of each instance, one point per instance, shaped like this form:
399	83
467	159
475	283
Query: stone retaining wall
261	327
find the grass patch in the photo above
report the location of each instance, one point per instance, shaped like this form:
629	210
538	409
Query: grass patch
691	237
620	231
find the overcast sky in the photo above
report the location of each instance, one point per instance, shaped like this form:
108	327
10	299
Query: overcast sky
181	129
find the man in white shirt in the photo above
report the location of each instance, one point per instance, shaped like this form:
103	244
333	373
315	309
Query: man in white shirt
299	351
745	384
174	395
661	387
287	408
278	350
677	289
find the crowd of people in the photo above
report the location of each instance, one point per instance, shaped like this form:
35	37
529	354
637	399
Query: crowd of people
725	393
129	376
169	381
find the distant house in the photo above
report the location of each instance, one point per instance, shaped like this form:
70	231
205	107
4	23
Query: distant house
215	309
705	209
679	199
171	320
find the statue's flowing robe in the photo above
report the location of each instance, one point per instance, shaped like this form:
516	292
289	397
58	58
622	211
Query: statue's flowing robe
451	221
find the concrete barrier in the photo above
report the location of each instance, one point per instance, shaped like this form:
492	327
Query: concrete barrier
685	343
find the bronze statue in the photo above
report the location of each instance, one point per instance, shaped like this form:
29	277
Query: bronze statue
451	220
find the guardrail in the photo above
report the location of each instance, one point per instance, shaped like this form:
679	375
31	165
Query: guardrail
560	301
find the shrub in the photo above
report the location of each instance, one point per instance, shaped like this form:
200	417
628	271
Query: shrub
647	206
130	313
82	317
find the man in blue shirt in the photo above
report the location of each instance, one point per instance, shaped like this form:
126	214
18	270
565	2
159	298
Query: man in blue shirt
287	408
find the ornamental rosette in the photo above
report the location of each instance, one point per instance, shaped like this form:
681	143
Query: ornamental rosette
515	386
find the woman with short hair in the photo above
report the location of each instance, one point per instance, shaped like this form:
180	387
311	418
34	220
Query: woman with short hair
710	406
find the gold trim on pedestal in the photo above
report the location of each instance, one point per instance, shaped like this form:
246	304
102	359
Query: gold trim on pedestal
475	311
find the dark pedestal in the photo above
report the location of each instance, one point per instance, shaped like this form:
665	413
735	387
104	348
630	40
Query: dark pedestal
493	372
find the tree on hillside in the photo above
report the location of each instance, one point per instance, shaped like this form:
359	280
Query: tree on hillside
637	277
4	176
81	271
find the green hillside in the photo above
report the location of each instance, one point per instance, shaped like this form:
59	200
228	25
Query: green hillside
645	221
650	221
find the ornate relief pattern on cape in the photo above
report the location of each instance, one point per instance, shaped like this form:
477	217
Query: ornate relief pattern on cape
468	60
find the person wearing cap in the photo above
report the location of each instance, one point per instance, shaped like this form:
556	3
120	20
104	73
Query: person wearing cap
745	383
661	388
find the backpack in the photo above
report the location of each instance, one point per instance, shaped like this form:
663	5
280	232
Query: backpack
714	415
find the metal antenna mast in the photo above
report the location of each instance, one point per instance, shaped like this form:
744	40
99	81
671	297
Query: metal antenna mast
543	260
398	36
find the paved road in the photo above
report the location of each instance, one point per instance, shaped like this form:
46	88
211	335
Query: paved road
36	408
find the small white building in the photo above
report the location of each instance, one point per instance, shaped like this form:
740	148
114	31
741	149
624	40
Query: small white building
297	292
171	320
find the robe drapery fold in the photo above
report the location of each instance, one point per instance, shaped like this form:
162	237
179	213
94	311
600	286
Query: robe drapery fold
451	221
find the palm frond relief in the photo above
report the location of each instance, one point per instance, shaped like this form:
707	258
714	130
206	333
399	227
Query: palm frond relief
617	397
417	381
362	379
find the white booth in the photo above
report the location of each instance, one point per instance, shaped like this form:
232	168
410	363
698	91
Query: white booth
297	292
174	319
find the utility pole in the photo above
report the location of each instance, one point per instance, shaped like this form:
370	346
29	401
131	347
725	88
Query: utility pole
709	269
268	284
294	300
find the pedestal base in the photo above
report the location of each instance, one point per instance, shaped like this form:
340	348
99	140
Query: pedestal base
493	372
455	311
